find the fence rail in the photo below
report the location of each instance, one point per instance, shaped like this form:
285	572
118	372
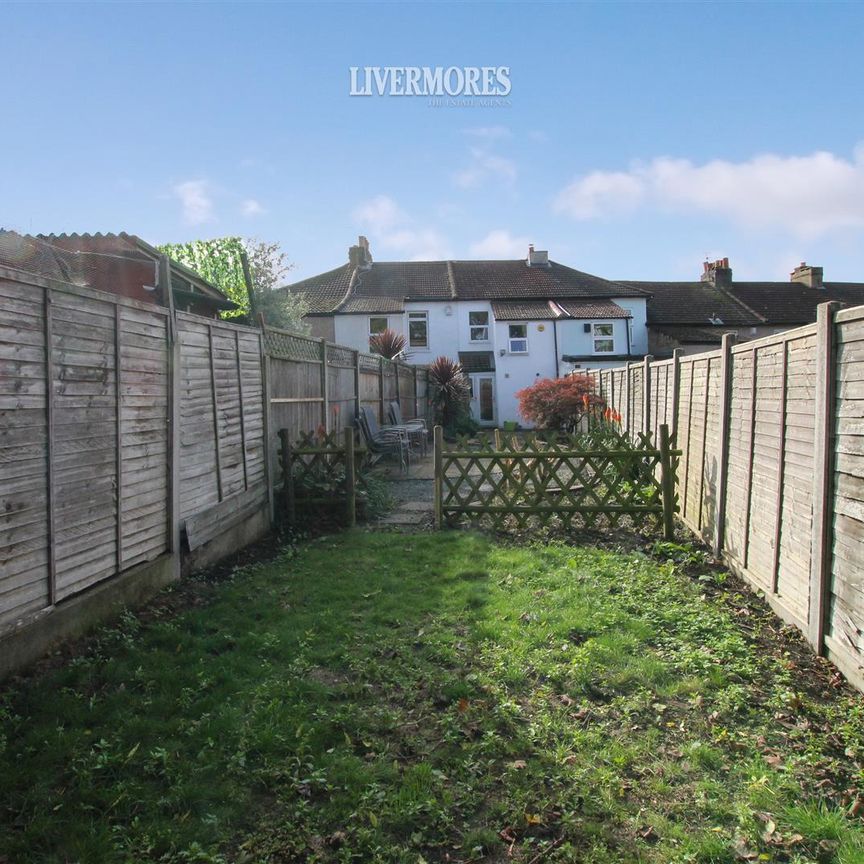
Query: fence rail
590	479
772	466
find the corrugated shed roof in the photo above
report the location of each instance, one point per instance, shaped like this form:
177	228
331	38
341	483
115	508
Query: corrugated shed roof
694	335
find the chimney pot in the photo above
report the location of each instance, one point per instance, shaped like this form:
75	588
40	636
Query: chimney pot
718	273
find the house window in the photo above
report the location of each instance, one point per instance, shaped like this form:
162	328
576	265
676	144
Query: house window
479	324
418	329
603	341
518	338
376	326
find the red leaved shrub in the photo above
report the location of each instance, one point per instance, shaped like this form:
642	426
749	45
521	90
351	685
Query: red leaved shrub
559	403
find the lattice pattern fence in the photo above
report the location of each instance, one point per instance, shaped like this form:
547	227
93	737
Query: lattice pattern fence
318	469
594	479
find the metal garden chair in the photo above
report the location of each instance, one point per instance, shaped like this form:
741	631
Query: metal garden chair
416	429
384	441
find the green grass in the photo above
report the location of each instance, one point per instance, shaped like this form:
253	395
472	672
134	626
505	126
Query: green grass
410	698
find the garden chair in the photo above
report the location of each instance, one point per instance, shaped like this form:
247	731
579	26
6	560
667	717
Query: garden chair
416	429
386	441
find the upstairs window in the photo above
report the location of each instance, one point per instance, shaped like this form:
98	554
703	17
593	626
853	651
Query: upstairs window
518	341
418	329
376	326
479	325
603	341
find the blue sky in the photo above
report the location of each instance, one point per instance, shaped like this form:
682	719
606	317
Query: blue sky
637	139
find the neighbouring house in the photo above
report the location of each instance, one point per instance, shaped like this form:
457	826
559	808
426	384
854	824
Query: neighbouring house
693	316
509	322
115	263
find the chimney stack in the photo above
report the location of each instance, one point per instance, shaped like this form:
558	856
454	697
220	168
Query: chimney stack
718	273
538	258
807	275
359	255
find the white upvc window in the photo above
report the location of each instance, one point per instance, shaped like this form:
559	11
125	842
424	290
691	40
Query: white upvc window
478	323
418	329
602	336
376	325
518	338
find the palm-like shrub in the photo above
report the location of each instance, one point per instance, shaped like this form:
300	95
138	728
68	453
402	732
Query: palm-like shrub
450	392
560	403
388	343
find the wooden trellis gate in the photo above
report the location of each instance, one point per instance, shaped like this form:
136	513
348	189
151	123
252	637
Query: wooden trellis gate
591	480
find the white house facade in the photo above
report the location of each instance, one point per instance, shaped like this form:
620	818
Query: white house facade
510	323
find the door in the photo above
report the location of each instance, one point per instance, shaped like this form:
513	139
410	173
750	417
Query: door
483	399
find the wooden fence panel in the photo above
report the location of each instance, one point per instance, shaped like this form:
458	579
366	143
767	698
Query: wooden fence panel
24	465
845	616
143	480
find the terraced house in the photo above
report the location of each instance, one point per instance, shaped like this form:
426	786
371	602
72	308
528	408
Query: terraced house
508	322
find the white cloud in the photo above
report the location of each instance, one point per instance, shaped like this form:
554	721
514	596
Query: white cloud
251	207
484	166
195	200
500	244
390	228
378	214
807	196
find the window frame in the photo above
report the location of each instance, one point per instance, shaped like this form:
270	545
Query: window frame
511	339
595	337
473	327
417	314
372	332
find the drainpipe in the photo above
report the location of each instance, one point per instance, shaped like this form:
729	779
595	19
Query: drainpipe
627	328
555	333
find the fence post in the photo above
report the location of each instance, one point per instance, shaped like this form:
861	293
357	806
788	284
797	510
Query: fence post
667	483
820	556
646	393
287	474
350	492
357	402
325	398
51	522
627	399
676	389
173	347
416	397
723	444
265	396
438	438
381	415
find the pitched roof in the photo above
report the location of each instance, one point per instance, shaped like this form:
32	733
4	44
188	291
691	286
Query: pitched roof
793	302
592	309
501	280
694	303
477	361
525	310
323	293
400	281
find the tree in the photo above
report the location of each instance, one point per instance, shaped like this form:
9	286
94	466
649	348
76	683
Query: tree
559	403
450	393
220	261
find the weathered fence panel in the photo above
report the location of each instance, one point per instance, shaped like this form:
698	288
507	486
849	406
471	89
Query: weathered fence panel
772	468
83	440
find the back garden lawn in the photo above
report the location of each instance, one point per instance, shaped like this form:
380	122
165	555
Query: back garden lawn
438	697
